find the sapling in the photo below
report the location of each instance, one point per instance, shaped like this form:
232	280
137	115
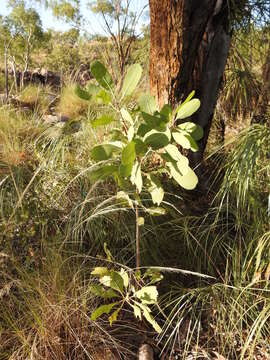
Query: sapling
143	135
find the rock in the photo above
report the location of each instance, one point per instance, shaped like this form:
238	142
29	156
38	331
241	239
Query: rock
53	119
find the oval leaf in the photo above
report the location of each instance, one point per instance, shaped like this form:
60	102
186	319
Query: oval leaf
102	121
188	109
128	154
131	80
102	75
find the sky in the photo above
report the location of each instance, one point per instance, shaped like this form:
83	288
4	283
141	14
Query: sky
94	25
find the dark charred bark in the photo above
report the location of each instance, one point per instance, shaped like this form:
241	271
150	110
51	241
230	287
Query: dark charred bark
190	41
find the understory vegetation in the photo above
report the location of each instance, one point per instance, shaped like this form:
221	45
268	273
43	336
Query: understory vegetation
65	214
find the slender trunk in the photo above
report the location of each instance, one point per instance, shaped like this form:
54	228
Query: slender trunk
6	71
190	42
14	70
138	254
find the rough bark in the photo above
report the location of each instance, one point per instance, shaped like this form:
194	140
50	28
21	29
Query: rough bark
190	42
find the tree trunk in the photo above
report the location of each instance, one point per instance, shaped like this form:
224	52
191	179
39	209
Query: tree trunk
190	41
6	71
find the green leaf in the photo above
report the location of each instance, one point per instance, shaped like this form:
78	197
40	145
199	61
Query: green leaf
185	140
100	271
188	181
137	312
103	172
157	139
141	221
131	80
113	280
103	309
155	121
102	75
107	252
124	276
140	147
114	316
188	109
128	154
98	290
103	120
136	176
156	190
103	151
148	104
196	131
173	152
143	129
147	315
166	111
125	170
190	96
103	97
147	294
82	94
126	116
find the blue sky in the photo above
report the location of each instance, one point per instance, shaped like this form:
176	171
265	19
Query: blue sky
49	21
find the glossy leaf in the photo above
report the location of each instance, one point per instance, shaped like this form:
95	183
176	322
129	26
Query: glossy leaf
196	131
156	190
185	140
189	97
136	176
188	181
188	109
131	80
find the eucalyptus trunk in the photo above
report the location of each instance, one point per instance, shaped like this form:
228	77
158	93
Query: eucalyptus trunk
190	41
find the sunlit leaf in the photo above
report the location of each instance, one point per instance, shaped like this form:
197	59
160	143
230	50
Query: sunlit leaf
185	140
131	80
136	176
188	181
103	172
188	109
148	104
156	190
126	116
147	294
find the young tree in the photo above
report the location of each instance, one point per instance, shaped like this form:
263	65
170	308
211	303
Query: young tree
121	24
27	33
5	42
190	42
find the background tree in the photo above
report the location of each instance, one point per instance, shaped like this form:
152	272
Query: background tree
121	24
27	32
5	42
